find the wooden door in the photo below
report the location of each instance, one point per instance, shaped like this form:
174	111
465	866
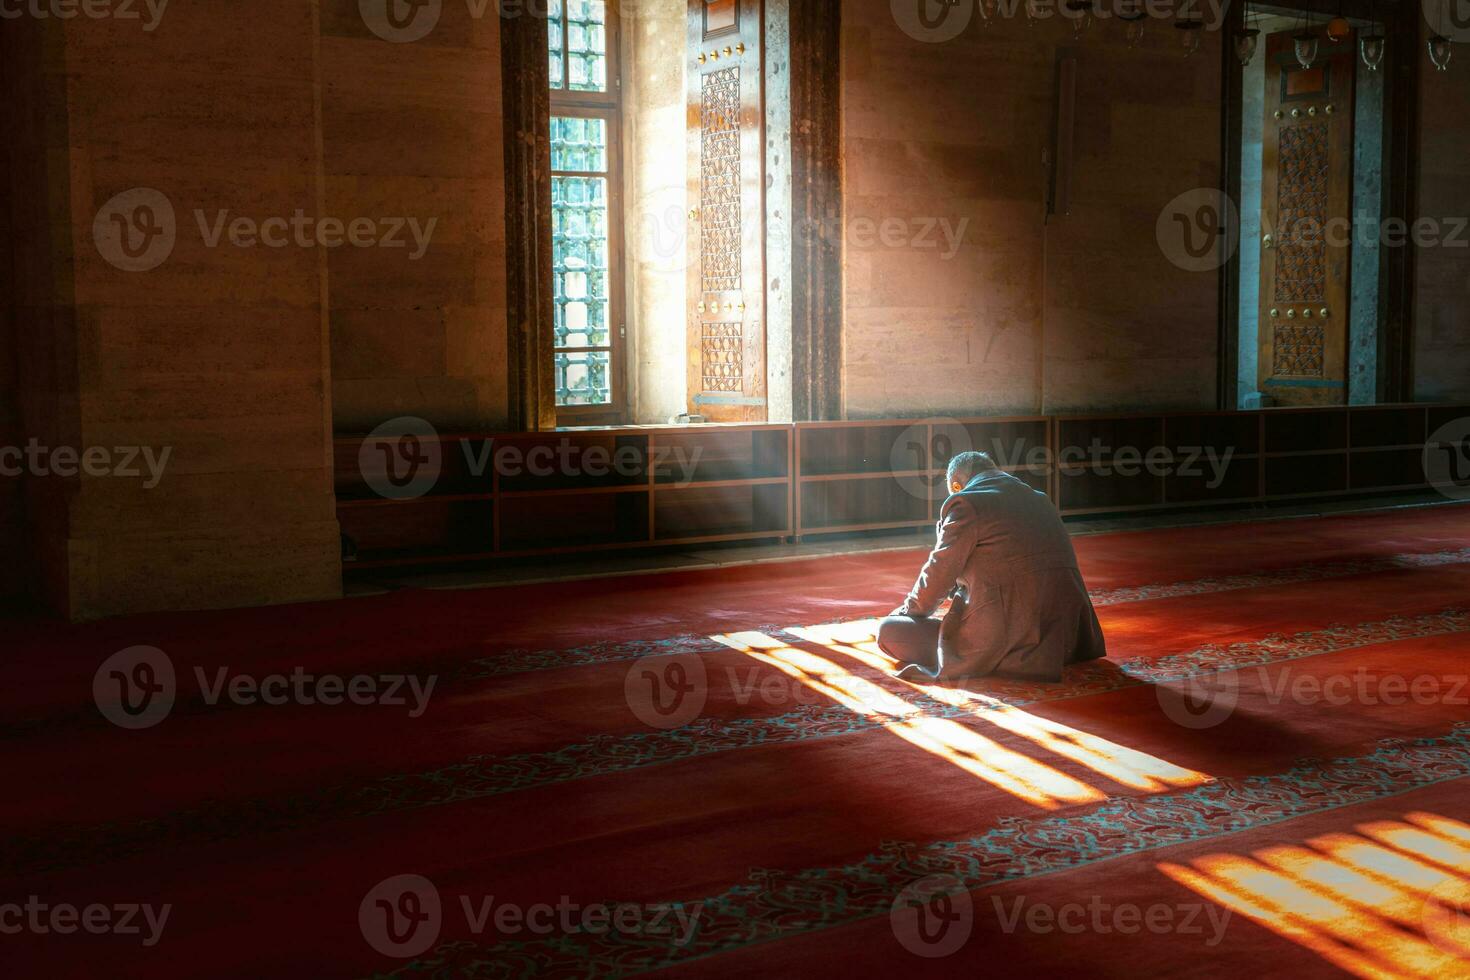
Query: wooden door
727	336
1306	200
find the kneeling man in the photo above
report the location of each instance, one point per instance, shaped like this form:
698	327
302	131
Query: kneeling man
1020	608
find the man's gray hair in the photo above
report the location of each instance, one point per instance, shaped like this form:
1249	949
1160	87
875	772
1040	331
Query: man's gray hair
966	466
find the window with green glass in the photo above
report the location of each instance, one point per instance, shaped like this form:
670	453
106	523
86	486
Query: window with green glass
578	32
579	254
585	224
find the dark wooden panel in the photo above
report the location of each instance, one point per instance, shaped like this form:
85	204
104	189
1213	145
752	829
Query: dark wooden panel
1296	432
846	503
695	512
573	520
1397	426
863	449
571	461
704	457
1388	468
1087	489
1100	438
1288	476
424	527
1238	434
1239	481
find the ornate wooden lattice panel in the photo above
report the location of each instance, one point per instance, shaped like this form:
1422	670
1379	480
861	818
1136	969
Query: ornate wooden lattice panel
721	356
719	182
1302	198
1300	350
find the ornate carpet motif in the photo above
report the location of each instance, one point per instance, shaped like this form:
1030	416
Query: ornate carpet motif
1283	576
775	905
452	670
484	776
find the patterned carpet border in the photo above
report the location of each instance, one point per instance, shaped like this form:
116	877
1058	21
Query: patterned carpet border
455	669
776	905
480	777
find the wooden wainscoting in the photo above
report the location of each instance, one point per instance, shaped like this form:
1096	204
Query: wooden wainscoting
506	495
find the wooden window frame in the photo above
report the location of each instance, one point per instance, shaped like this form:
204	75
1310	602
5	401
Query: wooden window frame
607	106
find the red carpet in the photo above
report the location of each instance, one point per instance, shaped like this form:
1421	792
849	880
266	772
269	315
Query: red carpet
1266	776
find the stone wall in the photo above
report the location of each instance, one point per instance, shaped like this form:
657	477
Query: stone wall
412	130
216	354
1442	301
1017	314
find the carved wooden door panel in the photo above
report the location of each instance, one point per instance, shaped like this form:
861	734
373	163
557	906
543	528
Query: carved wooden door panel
1306	198
726	277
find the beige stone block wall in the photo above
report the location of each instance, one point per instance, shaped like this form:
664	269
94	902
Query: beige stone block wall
413	130
1442	300
656	197
219	355
1021	314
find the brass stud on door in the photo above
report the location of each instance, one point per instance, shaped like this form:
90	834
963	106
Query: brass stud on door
1279	114
1291	314
1324	312
1275	313
1296	113
1307	314
1312	111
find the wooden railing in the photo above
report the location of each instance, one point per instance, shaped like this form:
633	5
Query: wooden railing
418	498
